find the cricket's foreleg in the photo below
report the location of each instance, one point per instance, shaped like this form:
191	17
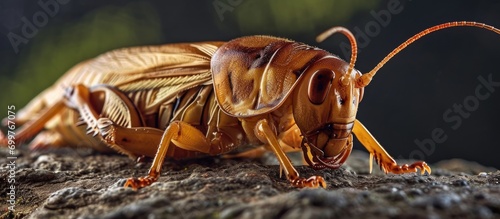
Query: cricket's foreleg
266	134
386	162
100	107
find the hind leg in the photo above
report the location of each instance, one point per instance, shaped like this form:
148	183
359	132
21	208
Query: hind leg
46	139
35	125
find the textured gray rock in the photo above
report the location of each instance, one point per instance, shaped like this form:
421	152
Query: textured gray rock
68	184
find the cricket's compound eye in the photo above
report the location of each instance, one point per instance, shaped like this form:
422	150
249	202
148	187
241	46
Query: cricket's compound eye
319	85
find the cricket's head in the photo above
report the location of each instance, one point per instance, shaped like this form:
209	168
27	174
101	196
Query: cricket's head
324	106
326	101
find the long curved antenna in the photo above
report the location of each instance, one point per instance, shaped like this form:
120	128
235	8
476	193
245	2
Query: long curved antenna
349	35
365	79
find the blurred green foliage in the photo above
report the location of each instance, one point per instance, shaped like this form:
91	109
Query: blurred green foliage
57	48
297	16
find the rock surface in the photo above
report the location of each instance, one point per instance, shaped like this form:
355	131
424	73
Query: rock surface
68	183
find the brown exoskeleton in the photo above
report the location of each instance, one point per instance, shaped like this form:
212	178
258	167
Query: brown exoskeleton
194	99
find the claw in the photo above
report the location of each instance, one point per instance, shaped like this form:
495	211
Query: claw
428	169
311	182
141	182
423	167
390	166
394	168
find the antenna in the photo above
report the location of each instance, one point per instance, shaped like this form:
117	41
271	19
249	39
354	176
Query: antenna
349	35
365	79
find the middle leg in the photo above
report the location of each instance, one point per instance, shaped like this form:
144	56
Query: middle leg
178	134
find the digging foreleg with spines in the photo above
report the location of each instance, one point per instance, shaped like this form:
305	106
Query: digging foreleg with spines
79	98
266	134
385	161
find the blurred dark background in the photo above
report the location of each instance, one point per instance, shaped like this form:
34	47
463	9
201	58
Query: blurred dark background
405	102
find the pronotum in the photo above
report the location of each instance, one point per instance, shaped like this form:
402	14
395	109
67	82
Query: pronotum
195	99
